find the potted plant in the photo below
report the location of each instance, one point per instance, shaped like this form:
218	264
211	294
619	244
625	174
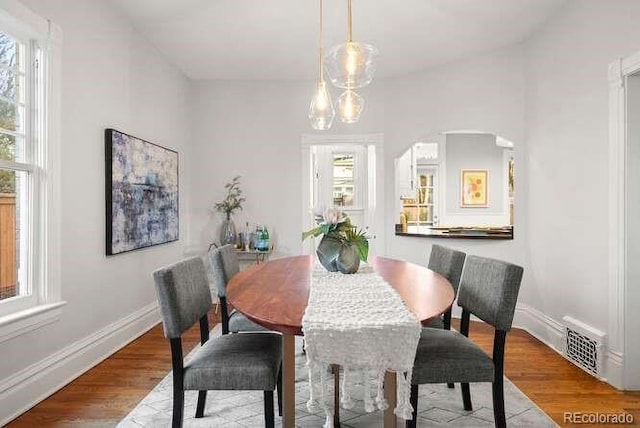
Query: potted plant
343	245
230	204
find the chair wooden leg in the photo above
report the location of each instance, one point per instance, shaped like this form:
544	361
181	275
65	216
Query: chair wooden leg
498	380
269	417
466	396
202	399
224	312
413	399
451	385
279	387
498	405
178	385
446	321
178	407
335	369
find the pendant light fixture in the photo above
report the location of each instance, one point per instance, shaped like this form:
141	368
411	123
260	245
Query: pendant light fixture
350	105
321	111
351	65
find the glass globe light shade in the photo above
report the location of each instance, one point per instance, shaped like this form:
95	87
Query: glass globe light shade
350	105
321	111
351	64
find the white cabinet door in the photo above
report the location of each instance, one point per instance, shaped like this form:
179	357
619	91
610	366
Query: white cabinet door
405	170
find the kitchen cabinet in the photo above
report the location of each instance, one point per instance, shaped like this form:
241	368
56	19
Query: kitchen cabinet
421	208
405	170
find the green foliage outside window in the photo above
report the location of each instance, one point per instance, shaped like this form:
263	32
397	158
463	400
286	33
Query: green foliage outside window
8	90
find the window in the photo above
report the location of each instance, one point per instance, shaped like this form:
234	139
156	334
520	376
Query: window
29	237
343	180
341	176
17	168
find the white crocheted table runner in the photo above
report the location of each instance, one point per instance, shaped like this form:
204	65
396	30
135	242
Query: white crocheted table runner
361	323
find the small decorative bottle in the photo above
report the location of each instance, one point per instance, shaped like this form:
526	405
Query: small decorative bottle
265	239
262	238
403	221
257	239
246	245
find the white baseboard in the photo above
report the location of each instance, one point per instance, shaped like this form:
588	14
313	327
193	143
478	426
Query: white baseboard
542	327
551	333
33	384
613	371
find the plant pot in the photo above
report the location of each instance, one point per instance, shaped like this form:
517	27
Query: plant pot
228	232
328	251
348	260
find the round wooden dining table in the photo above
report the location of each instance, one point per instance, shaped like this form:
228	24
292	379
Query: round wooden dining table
275	295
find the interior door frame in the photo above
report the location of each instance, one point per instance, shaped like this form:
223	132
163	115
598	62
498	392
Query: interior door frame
622	372
375	185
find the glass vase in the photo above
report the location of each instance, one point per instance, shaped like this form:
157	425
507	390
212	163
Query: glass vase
348	260
228	232
328	251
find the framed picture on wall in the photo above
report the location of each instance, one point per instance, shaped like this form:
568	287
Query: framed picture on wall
473	188
141	186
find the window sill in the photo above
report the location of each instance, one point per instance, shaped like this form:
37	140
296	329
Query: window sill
28	320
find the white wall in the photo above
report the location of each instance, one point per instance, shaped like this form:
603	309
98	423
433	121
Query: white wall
254	129
111	77
567	141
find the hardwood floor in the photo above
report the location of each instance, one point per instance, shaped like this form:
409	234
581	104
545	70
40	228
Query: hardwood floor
553	383
108	392
105	394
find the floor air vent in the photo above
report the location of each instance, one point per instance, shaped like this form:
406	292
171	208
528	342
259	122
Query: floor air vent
584	345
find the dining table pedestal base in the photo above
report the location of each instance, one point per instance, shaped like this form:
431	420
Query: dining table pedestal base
289	387
390	394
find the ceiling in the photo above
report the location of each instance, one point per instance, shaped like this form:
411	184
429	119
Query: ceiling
277	39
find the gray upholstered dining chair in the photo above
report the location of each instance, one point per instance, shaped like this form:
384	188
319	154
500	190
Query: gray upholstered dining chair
489	290
224	265
230	362
448	263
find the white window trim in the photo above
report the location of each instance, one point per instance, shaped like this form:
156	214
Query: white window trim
47	305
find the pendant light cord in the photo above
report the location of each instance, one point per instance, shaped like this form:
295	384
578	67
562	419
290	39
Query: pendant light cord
349	21
320	44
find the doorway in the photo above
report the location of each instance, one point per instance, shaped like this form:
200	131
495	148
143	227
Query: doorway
623	365
344	171
632	215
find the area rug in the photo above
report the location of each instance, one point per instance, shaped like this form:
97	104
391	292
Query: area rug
437	406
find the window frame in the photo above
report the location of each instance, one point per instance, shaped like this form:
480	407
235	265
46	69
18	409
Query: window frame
29	164
21	314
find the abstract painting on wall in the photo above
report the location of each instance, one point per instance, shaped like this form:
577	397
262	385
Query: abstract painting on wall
474	188
141	193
